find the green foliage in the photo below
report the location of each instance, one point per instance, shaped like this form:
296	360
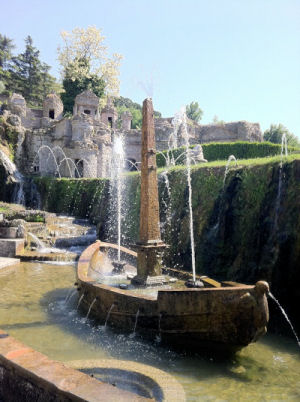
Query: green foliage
34	218
221	151
194	112
275	132
6	47
79	197
74	86
126	104
2	87
25	73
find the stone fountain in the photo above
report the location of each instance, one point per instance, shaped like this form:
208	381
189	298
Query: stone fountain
158	300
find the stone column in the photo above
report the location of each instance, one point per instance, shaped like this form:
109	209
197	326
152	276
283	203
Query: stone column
150	245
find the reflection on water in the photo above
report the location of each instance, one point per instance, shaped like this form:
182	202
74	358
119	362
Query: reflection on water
33	309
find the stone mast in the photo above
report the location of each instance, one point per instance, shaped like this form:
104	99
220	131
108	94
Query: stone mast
150	244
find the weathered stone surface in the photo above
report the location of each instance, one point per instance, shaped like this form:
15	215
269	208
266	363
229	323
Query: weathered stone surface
150	244
126	118
17	104
226	132
53	107
86	102
14	120
11	247
90	129
217	316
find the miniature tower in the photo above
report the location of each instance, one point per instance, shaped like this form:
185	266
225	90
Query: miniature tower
109	115
150	245
126	118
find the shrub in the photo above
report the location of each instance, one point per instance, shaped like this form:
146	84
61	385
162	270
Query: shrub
222	150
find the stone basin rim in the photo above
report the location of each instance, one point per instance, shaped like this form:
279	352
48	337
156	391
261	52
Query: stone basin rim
86	257
171	389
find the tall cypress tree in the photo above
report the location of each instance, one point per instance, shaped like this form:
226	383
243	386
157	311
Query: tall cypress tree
26	72
6	47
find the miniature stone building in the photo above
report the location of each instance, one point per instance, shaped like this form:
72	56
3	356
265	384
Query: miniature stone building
126	119
53	107
86	102
109	115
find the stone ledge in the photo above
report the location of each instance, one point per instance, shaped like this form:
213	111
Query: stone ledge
29	375
7	262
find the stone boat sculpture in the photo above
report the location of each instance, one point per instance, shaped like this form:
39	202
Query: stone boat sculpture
226	315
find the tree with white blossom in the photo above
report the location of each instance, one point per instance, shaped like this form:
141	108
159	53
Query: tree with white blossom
86	64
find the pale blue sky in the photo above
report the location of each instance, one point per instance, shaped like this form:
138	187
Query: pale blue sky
239	59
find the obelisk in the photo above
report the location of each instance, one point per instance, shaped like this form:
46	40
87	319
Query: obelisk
150	244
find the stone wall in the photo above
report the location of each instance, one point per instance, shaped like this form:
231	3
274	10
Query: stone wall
236	131
89	132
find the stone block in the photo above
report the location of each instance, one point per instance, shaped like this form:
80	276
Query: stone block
11	247
8	232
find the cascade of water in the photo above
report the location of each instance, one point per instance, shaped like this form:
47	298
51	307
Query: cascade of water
158	337
80	300
92	203
180	120
284	152
90	308
132	335
18	194
167	203
72	294
51	153
59	149
283	147
40	245
108	315
231	158
285	316
118	164
69	295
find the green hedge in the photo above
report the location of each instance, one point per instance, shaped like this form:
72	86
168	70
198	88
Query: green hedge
222	150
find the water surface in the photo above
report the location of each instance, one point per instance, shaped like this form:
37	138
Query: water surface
33	310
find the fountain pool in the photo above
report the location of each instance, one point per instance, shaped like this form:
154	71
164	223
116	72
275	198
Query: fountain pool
33	309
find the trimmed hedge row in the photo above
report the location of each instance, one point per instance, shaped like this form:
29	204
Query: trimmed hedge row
222	150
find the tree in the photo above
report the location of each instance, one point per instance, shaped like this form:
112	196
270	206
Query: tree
86	64
26	72
275	132
194	112
74	86
48	83
29	76
6	47
125	104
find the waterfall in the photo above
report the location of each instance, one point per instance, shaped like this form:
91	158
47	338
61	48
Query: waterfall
18	196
